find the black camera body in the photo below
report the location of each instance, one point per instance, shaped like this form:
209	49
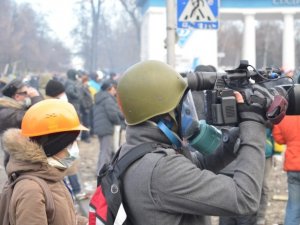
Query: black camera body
221	107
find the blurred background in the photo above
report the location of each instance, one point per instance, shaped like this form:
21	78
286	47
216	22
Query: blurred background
39	36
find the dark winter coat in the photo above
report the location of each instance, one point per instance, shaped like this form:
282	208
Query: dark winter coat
74	93
11	115
27	205
86	101
106	114
12	112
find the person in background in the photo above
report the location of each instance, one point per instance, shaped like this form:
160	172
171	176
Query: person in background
287	132
119	129
16	100
94	84
34	81
86	105
113	76
73	90
44	147
106	115
56	90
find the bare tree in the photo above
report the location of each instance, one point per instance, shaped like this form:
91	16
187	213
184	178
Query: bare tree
134	13
119	42
87	32
95	10
82	33
269	44
229	43
25	41
118	30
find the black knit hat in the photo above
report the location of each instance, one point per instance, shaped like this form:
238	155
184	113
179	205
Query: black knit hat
56	142
11	88
54	88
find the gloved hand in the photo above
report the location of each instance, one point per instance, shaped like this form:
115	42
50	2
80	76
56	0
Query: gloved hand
257	103
263	96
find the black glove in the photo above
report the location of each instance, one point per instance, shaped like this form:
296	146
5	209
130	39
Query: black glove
256	104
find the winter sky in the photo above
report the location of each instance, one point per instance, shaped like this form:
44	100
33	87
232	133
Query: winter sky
59	15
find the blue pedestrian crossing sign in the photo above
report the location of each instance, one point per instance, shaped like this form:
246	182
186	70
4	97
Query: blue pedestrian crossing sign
199	14
183	36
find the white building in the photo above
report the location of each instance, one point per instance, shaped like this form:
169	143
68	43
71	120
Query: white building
199	46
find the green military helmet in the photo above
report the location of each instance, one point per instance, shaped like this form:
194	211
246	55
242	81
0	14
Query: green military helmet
147	89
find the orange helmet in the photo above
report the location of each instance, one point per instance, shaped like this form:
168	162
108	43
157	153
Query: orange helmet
50	116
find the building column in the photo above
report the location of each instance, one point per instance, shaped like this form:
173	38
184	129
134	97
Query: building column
288	51
249	42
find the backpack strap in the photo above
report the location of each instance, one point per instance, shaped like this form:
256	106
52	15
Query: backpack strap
50	208
131	156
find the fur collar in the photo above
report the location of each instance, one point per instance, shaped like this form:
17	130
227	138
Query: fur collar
21	148
10	103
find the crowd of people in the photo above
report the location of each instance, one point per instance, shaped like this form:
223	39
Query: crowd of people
179	182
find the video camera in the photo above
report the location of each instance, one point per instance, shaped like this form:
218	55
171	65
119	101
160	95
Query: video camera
221	107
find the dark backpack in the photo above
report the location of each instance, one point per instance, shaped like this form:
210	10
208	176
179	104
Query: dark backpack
106	204
7	192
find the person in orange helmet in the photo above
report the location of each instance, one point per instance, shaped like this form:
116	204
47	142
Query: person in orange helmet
44	147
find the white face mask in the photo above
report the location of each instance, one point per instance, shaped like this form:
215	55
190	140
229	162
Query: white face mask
73	151
64	163
63	97
27	102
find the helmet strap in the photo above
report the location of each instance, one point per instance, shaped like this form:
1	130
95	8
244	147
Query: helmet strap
174	127
173	138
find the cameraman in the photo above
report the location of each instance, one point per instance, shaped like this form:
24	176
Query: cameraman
173	185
